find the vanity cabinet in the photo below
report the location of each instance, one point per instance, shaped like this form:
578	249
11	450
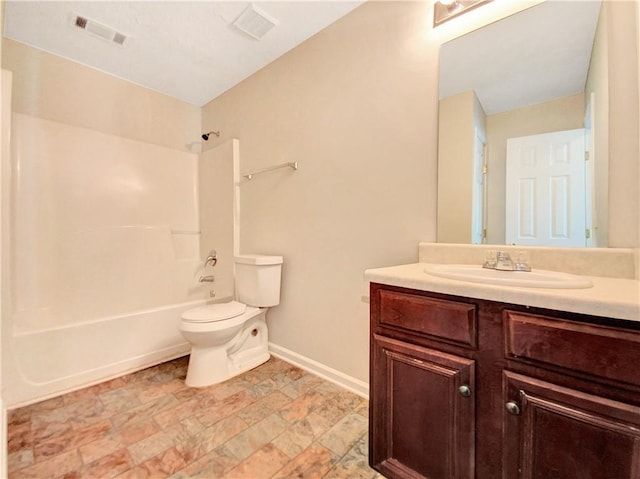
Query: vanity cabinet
468	388
551	431
425	424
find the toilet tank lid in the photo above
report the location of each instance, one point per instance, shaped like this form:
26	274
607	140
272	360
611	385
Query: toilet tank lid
258	259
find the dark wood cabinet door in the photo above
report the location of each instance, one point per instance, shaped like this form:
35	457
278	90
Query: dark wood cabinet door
421	412
552	432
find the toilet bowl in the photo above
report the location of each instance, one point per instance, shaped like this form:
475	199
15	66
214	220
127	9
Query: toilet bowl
230	338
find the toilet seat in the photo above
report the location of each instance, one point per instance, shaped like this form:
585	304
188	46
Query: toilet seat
214	312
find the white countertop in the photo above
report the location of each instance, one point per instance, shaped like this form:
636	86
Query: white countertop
609	297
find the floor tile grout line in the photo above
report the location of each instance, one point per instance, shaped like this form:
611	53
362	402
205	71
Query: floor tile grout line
293	388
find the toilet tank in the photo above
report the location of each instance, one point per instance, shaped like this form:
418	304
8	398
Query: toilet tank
258	279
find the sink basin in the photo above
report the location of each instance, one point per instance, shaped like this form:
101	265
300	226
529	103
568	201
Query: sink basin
538	278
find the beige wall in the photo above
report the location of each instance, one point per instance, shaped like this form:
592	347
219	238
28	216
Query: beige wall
457	119
624	129
597	99
613	77
356	107
563	114
53	88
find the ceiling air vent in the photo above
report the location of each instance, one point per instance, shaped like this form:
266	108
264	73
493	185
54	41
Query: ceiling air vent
254	22
119	38
81	22
99	30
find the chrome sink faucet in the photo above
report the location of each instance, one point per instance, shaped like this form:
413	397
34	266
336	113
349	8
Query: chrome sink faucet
502	261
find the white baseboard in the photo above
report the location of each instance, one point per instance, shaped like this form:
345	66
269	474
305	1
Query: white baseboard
349	383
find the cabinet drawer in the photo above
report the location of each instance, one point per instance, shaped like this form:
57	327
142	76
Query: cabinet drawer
600	351
447	320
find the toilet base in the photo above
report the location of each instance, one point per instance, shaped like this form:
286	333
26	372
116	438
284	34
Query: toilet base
213	365
199	377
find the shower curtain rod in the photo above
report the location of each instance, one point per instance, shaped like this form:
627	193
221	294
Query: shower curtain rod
290	164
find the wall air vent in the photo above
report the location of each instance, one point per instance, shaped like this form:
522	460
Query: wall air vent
99	30
254	22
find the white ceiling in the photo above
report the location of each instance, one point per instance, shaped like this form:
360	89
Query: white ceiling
185	49
539	54
189	50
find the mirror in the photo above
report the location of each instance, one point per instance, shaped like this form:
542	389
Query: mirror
539	71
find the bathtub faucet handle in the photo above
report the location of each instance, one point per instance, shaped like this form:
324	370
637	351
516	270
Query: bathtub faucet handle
211	259
206	279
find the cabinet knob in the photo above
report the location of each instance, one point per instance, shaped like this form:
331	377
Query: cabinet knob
465	390
512	408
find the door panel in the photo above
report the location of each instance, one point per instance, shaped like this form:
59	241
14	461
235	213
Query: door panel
552	432
545	189
422	426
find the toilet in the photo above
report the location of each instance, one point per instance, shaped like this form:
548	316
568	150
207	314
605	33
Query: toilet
230	338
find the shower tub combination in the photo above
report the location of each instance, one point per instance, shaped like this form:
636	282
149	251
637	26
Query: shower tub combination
105	257
54	361
104	321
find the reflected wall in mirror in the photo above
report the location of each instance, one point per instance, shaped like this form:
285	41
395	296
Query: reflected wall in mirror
544	70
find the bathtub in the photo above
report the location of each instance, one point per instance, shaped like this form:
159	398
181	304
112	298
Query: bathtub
53	361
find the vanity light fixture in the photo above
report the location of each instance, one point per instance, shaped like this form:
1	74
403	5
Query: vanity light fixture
444	10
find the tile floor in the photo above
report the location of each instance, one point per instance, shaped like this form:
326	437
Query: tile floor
276	421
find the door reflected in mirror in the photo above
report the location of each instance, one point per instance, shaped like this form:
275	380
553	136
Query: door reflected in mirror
539	72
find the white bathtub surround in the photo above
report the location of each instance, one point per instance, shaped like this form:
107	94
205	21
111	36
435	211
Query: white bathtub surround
610	296
50	362
104	240
103	225
106	257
